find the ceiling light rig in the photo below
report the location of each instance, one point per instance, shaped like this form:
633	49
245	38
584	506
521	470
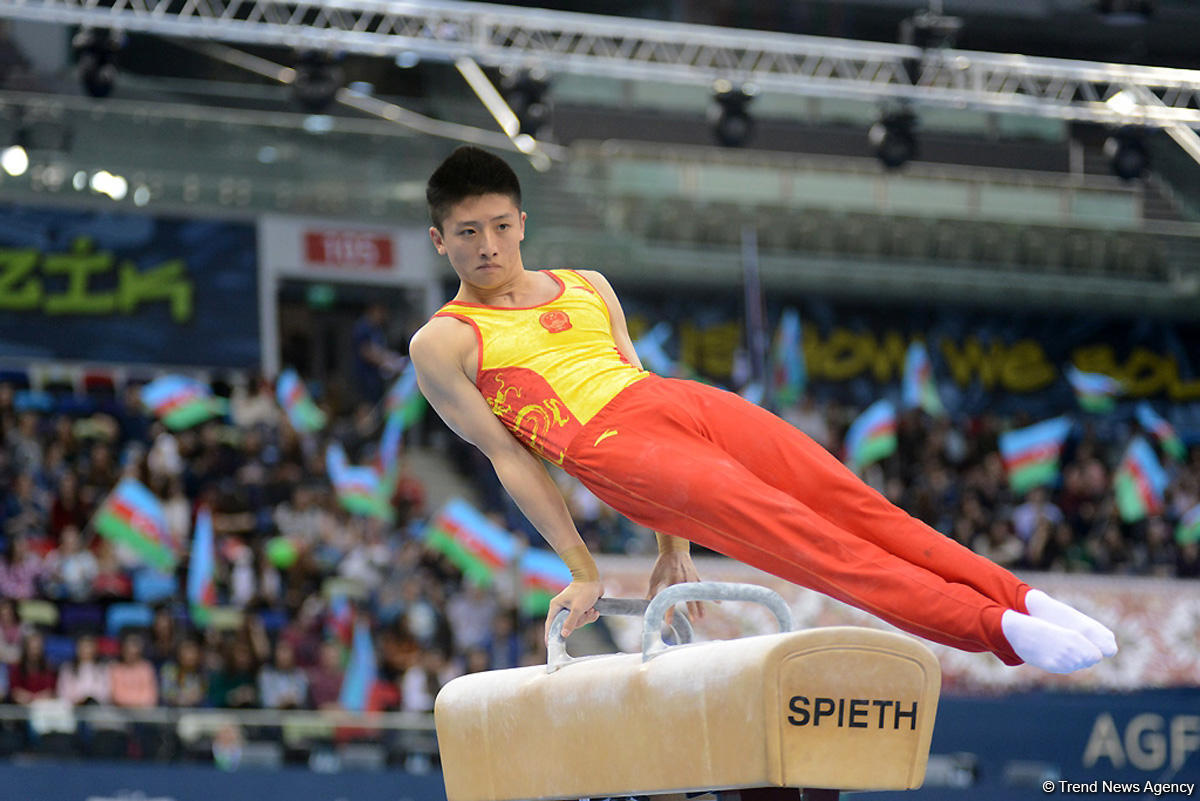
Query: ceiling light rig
729	115
96	51
318	78
893	138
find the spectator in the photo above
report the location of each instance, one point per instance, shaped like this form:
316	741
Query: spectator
20	569
504	643
25	444
282	685
254	407
68	508
31	678
1037	507
70	569
471	612
235	684
133	681
111	581
999	544
26	510
374	363
182	680
164	637
12	632
177	510
423	680
85	679
325	679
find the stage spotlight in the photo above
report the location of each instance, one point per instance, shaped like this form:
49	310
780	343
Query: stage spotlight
893	138
14	160
318	78
525	92
96	59
1125	12
731	121
1127	154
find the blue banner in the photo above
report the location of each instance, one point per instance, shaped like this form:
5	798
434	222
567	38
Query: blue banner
133	781
982	359
108	287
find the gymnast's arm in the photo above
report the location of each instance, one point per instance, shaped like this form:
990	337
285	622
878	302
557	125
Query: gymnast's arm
674	564
441	351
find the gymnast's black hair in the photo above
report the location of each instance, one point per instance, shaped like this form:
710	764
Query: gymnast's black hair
469	172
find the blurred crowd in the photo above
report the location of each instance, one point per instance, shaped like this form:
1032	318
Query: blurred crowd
288	644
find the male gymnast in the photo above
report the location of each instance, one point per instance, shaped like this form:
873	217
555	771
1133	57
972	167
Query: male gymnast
526	364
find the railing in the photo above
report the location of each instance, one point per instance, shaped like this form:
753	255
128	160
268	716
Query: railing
854	184
324	739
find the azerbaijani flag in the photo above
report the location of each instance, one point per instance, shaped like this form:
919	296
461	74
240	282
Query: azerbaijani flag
1031	454
360	490
201	589
181	402
650	351
360	671
920	390
1095	392
339	619
1140	482
404	400
543	575
132	516
472	542
295	401
1188	530
872	436
1162	430
789	373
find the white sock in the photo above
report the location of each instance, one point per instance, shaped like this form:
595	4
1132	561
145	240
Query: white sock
1046	645
1041	605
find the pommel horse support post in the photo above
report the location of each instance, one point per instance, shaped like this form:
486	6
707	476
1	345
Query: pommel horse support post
842	708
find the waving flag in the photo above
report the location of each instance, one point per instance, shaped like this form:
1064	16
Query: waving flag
201	589
1095	392
360	490
472	542
297	404
650	351
788	371
404	400
1188	530
1162	430
1140	482
1031	454
181	402
920	390
360	671
389	453
339	619
872	436
543	575
133	516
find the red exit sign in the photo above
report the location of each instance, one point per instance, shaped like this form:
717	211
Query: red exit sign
354	249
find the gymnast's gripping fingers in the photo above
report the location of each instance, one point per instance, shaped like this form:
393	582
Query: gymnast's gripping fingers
578	598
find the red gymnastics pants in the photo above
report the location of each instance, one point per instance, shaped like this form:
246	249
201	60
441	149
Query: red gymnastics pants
704	464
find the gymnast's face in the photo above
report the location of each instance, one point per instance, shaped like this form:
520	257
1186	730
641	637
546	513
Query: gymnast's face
481	236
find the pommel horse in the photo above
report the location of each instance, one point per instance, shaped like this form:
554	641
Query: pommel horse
815	712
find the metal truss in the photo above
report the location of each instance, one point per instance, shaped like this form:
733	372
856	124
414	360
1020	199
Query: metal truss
625	48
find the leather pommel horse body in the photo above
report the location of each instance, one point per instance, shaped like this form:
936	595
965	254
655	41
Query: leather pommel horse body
842	707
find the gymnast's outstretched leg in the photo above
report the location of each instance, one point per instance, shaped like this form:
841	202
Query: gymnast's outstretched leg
671	473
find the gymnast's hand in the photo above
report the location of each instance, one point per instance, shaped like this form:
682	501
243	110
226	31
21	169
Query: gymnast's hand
675	567
579	597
